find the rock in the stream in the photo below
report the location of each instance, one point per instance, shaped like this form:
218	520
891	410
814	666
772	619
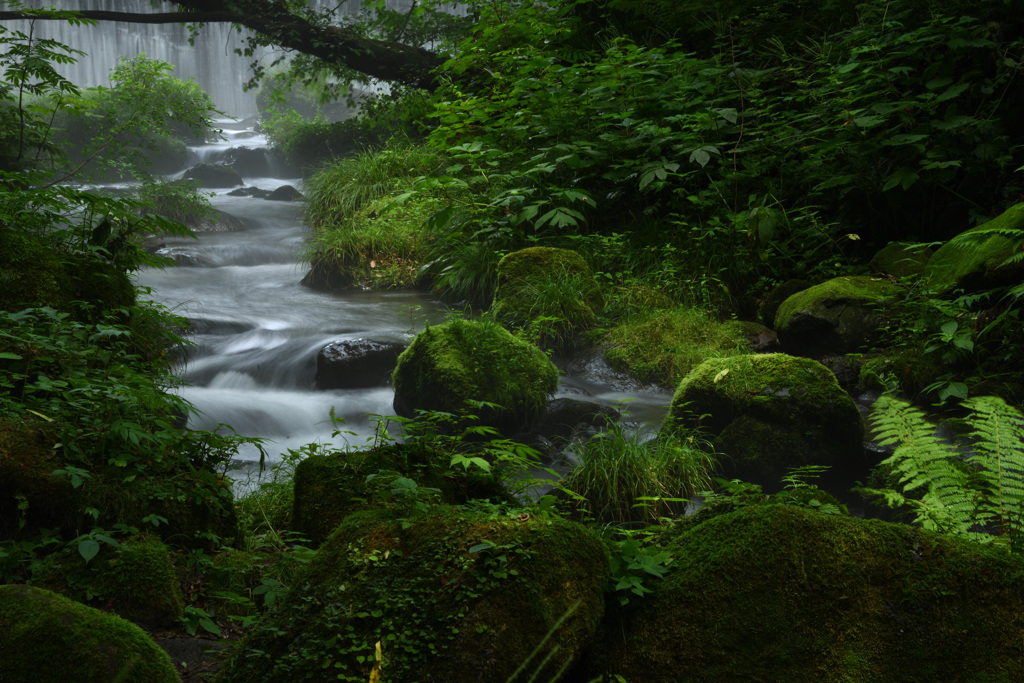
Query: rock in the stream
356	363
285	193
214	175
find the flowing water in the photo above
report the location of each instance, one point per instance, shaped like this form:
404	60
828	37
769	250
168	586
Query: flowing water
257	331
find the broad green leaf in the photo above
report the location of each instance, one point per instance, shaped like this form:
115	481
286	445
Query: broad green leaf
88	549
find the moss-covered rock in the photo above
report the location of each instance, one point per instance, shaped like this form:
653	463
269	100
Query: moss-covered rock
975	260
549	283
33	498
455	595
330	487
31	273
465	360
769	413
137	581
842	315
781	593
900	259
47	637
34	273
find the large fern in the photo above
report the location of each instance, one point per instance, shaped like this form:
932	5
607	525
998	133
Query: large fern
975	490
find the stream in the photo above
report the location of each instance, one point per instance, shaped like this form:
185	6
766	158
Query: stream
257	331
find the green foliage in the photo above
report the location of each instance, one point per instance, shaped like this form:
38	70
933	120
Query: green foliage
767	157
309	144
974	488
470	447
29	75
635	560
144	119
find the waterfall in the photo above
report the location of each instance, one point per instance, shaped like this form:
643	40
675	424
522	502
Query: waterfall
211	61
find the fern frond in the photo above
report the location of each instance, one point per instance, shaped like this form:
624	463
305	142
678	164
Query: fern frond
998	443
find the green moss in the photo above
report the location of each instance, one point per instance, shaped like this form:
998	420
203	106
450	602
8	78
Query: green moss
974	259
460	360
769	413
662	346
455	595
550	288
330	487
776	592
376	248
46	637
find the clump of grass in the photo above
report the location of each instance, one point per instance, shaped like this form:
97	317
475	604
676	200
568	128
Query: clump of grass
380	246
358	229
663	345
626	480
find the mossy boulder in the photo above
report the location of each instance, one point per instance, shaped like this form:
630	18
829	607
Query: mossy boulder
136	580
975	260
456	595
33	498
34	273
465	360
549	283
330	487
31	273
841	315
782	593
769	413
900	259
47	637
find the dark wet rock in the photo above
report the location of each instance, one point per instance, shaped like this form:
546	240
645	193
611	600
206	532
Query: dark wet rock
356	363
564	417
249	192
214	175
285	193
591	366
250	162
217	327
326	277
153	244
